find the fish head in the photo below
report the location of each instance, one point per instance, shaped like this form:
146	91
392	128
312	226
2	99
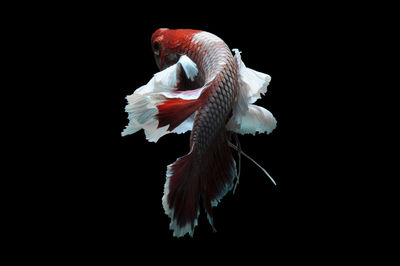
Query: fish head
164	45
168	45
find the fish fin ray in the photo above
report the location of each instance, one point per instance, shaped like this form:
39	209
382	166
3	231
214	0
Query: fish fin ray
253	161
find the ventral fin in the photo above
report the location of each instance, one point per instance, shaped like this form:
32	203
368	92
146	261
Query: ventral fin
187	75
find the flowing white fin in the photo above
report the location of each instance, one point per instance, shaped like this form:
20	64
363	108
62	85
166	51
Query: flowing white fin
256	119
142	104
254	83
246	117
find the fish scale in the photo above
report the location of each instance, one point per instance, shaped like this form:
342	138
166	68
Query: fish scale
216	61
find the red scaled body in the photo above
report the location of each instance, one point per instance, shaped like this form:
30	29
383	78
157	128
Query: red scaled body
203	88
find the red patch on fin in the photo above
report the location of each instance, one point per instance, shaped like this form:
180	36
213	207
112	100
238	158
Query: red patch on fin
173	111
184	191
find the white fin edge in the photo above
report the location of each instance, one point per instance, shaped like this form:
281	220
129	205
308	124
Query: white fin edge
248	118
256	119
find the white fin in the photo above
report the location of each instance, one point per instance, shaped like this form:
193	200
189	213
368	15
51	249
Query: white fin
256	119
142	104
252	82
248	118
188	66
131	128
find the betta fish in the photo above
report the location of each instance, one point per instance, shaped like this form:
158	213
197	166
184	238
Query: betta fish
204	88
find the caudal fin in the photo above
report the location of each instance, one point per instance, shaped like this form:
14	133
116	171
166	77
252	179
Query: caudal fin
219	173
182	195
198	179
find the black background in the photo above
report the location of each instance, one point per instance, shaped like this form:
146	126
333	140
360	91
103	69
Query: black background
111	186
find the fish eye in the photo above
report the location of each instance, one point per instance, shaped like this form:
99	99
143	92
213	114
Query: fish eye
156	47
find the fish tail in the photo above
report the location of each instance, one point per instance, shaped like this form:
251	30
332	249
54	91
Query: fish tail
219	169
198	178
182	194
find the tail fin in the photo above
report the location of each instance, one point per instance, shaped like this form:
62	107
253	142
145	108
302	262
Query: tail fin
197	178
182	195
219	173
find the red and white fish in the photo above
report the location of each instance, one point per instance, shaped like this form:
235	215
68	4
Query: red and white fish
203	88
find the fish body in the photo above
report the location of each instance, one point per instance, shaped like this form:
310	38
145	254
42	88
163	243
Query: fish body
204	88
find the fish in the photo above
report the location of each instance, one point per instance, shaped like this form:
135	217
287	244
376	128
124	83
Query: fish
203	87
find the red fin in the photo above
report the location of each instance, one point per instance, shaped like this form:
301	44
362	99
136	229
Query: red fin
219	173
173	111
195	178
182	195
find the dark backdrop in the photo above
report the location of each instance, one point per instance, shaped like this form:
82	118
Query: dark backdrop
114	184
